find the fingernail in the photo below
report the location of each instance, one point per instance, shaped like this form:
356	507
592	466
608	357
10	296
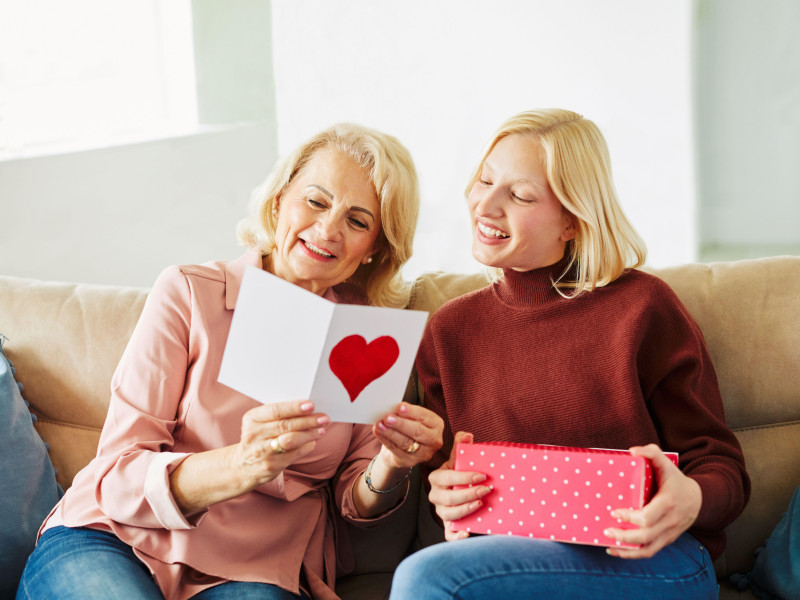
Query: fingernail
478	477
607	533
307	406
476	505
483	490
403	408
323	420
321	431
381	426
391	419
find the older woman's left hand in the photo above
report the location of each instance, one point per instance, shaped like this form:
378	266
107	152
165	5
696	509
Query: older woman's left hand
410	435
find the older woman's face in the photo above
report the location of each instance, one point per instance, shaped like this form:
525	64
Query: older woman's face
328	223
517	221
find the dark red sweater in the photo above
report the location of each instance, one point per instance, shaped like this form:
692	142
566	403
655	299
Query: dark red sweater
621	366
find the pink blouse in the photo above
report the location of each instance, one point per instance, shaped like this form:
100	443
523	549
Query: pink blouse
166	403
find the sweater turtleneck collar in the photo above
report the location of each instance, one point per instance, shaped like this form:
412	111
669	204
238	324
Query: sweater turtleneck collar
531	289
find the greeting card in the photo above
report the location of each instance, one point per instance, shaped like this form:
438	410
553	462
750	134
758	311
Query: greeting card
554	492
286	343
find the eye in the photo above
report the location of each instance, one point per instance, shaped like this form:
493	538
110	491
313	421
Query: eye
315	203
358	223
485	181
521	200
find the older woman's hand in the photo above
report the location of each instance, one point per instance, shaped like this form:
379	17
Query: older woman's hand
276	435
455	503
669	513
410	435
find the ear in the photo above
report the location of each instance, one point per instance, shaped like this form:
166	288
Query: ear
369	256
569	232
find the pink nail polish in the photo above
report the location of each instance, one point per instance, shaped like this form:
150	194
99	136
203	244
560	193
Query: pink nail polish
391	419
381	426
323	420
307	406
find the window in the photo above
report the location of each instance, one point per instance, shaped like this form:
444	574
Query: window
89	73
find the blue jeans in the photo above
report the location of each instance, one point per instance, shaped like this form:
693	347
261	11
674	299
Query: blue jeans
81	563
505	567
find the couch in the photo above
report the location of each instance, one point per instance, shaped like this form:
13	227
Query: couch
65	340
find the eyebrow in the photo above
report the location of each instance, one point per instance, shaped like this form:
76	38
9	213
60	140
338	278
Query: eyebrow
486	163
329	195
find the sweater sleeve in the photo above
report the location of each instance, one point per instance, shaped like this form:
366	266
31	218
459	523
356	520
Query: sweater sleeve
432	395
131	485
680	386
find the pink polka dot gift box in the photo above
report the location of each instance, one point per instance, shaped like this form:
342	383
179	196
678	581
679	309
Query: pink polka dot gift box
554	492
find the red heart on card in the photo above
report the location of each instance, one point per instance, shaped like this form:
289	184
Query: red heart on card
357	363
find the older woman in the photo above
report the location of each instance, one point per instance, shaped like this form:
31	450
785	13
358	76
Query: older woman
199	492
572	346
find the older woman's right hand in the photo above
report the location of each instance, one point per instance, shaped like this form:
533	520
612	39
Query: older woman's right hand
452	503
276	435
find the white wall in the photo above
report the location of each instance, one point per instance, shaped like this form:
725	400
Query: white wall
119	216
748	124
442	75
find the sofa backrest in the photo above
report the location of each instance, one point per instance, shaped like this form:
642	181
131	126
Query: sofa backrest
749	313
65	340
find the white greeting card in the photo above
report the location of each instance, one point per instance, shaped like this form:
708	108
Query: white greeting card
286	343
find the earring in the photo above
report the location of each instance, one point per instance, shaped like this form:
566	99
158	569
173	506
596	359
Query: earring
369	259
274	212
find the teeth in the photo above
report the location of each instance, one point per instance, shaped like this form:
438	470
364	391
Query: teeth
316	250
488	231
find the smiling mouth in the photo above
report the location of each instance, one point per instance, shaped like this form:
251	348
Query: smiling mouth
490	232
317	250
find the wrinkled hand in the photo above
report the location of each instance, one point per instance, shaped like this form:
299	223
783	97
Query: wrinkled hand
409	436
452	504
276	435
669	513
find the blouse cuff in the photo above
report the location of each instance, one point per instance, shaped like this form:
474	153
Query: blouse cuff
159	496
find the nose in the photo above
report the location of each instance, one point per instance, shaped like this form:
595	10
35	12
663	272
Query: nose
330	225
487	201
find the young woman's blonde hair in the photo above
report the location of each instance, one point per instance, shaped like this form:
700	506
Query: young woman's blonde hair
391	171
578	169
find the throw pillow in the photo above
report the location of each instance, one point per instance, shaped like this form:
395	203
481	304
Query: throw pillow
29	488
776	571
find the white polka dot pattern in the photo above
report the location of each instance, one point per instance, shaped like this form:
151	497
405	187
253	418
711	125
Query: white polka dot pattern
553	492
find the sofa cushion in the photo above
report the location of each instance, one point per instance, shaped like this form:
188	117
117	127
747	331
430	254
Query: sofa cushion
29	488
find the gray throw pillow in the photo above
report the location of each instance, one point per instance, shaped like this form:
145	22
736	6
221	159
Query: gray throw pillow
29	488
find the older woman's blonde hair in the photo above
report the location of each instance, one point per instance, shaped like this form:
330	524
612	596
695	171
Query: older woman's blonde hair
391	171
578	169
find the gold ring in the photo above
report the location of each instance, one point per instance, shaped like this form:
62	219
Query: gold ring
413	447
276	447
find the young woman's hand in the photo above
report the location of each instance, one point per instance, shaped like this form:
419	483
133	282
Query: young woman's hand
669	513
451	503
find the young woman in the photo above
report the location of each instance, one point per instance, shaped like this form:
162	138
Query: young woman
572	346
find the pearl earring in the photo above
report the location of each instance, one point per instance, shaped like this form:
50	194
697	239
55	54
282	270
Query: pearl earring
369	259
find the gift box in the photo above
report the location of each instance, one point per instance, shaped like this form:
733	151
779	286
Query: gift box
555	492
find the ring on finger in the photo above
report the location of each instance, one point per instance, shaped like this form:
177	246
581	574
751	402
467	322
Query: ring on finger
413	447
276	447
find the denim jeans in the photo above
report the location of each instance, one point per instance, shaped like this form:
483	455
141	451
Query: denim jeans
81	563
505	567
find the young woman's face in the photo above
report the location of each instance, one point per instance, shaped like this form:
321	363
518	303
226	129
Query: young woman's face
517	222
328	223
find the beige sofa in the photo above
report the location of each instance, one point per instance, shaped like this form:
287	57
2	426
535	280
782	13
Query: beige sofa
65	340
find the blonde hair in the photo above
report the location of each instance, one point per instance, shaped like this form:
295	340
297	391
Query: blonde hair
391	171
578	170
